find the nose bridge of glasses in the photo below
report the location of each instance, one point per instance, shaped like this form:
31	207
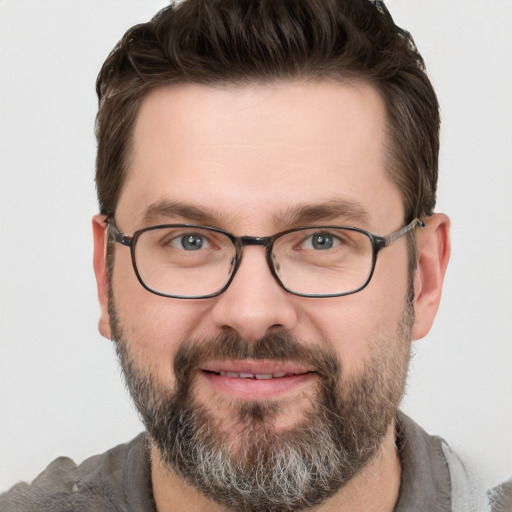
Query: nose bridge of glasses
263	241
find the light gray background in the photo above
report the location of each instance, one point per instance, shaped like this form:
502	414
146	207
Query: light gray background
60	389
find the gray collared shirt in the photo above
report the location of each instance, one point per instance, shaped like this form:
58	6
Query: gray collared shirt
501	497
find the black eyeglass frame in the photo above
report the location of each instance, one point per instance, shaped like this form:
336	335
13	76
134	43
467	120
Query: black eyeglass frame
239	242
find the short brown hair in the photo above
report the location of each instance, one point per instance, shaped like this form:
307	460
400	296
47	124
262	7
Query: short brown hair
256	41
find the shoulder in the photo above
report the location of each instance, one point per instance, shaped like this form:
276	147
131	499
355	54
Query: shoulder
501	497
97	484
433	475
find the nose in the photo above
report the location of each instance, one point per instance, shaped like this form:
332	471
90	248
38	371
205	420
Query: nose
254	303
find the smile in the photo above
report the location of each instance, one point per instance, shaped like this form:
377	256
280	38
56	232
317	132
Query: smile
256	376
256	380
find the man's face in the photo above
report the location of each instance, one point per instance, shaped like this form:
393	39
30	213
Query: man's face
257	160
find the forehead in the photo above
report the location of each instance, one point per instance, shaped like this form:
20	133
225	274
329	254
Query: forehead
252	152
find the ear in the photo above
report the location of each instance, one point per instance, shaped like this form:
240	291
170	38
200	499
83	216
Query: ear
433	254
99	230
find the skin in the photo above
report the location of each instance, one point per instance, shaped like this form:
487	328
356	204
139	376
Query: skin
246	157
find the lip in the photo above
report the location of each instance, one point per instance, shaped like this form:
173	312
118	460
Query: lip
255	366
255	380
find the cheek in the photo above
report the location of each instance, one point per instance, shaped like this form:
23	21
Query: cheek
356	325
153	326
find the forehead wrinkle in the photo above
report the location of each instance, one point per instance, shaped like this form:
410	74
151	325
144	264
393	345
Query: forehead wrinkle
304	213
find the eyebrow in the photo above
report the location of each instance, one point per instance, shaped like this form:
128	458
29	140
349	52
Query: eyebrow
183	211
301	214
339	210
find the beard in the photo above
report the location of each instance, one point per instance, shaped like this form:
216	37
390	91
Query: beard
261	468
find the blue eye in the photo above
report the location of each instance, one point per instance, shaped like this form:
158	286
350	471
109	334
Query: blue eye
190	242
321	241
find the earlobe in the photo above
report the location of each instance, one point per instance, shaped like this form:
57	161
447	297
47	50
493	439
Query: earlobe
100	270
433	254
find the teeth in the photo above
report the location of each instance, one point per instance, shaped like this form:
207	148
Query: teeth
257	376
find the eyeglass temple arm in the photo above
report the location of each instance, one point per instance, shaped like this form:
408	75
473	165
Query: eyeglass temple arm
115	236
389	239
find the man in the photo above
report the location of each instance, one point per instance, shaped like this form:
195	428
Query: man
267	250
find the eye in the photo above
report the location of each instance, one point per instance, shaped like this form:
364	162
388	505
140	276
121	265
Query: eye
190	242
321	241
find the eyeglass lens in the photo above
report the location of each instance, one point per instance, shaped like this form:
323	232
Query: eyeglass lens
195	262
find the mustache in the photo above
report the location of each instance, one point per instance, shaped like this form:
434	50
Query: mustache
280	347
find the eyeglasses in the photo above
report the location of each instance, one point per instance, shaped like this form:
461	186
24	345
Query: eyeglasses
185	261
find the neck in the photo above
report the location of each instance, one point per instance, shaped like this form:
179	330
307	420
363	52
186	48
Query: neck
374	489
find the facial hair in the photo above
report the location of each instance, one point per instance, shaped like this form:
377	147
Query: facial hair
263	469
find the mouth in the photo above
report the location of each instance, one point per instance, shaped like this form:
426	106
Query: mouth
256	376
255	380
